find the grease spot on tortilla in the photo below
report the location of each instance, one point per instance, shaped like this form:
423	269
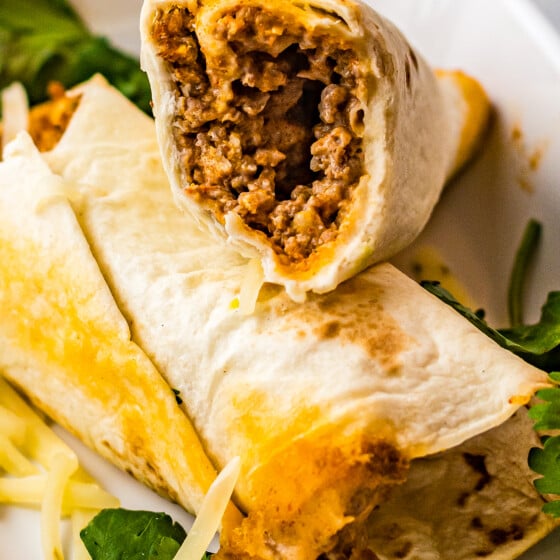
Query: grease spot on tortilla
530	158
353	314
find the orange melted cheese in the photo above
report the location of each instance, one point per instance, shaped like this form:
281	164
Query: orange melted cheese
477	108
311	478
71	354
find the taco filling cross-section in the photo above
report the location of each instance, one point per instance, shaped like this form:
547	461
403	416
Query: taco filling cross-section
279	141
311	135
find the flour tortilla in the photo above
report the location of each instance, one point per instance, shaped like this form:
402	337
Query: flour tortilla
325	402
418	129
65	343
476	500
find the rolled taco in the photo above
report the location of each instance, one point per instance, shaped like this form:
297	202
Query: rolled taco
65	343
311	135
326	402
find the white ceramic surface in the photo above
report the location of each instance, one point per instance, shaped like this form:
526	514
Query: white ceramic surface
513	50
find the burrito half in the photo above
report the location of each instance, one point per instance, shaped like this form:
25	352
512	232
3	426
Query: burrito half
310	134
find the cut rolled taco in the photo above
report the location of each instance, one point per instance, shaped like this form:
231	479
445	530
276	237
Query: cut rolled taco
309	134
326	402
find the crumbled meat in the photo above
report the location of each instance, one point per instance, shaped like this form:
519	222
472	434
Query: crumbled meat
275	139
48	121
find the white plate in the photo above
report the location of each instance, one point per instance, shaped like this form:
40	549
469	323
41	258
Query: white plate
516	55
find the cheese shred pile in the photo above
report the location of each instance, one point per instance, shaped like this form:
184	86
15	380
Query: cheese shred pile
37	469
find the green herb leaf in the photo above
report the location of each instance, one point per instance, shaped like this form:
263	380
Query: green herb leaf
538	344
523	257
120	534
544	462
45	40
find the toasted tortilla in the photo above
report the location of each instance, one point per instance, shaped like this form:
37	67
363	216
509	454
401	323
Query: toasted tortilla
476	500
310	135
65	343
326	402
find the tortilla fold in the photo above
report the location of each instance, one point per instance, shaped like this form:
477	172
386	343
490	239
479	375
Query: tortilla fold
326	402
311	135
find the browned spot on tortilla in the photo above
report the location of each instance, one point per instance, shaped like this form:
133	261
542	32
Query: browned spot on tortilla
478	464
351	315
501	536
476	523
462	499
355	315
404	550
329	330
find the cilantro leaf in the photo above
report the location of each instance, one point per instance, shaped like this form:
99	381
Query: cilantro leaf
45	40
546	460
122	534
119	534
539	343
546	413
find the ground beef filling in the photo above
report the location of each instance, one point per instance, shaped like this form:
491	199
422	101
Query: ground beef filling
285	151
49	121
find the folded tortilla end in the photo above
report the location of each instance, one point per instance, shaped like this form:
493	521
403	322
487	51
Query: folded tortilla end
473	108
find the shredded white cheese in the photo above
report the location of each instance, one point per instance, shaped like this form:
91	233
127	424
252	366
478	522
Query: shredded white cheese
12	460
37	468
211	512
29	491
61	468
251	286
15	112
